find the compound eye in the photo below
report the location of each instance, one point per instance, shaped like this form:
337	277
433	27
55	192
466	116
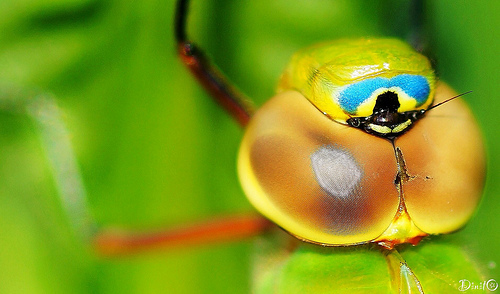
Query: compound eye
447	173
332	184
336	172
321	181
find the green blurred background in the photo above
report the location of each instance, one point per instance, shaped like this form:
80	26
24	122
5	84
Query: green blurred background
154	151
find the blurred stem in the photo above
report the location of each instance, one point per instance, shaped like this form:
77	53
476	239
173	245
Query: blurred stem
42	109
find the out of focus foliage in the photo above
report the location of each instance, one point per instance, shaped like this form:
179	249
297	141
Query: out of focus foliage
154	151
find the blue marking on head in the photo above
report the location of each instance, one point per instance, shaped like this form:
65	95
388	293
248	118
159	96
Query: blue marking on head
354	95
414	86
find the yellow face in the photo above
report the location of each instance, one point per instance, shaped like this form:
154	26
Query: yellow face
363	80
328	183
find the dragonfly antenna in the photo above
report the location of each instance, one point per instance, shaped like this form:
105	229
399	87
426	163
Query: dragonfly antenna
447	100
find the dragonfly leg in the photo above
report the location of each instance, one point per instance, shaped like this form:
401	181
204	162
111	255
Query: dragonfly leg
211	78
418	35
403	278
43	110
222	229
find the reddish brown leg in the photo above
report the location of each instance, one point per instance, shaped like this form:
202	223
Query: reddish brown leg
214	82
232	228
116	242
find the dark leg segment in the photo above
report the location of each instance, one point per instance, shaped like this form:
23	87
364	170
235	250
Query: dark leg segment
418	37
214	82
109	242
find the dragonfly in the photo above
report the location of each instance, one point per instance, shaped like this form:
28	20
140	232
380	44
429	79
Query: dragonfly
306	166
377	252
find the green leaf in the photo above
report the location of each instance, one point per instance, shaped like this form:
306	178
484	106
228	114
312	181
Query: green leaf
434	267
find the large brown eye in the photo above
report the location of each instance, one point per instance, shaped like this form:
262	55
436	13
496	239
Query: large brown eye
332	184
321	181
445	158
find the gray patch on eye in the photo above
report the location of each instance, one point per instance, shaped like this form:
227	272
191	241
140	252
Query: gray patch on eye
336	171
